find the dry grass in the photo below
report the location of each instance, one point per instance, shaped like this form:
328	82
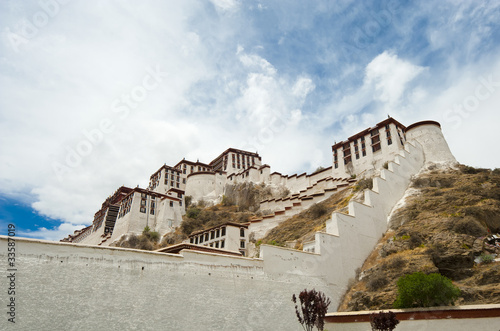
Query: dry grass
303	225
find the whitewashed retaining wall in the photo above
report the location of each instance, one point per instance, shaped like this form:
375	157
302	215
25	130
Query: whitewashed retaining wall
63	286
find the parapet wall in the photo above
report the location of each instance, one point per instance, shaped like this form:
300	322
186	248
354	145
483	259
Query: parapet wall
458	318
63	286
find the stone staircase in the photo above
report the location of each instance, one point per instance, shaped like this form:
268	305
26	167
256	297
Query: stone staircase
284	208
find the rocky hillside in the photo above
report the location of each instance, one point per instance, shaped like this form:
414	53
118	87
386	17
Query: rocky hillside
302	227
442	227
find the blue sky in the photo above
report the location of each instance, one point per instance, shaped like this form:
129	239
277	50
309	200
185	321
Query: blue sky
98	95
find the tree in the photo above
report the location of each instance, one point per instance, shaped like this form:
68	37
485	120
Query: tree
383	321
421	290
313	307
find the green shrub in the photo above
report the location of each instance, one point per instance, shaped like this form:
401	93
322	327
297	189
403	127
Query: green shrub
486	258
193	212
187	200
421	290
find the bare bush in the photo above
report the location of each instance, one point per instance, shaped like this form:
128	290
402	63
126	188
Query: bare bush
468	225
318	210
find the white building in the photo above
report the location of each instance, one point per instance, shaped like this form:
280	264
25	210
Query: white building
161	206
229	236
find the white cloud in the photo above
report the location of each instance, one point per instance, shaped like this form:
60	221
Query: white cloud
225	5
389	76
65	81
54	234
75	79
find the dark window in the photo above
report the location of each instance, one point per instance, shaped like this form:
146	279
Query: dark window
216	244
191	240
222	244
376	147
143	209
171	203
223	231
364	152
242	232
206	236
389	141
212	234
242	244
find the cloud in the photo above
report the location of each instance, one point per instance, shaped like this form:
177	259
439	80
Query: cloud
390	76
55	234
225	5
79	116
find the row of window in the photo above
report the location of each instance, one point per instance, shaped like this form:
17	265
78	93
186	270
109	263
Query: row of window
375	143
125	206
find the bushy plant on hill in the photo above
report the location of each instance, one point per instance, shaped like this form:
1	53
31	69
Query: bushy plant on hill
148	240
421	290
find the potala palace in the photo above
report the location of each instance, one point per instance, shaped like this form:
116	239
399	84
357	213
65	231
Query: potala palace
212	281
161	205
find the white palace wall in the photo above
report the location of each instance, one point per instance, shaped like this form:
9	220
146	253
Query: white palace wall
62	286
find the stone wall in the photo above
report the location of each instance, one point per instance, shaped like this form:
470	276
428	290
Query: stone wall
62	286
